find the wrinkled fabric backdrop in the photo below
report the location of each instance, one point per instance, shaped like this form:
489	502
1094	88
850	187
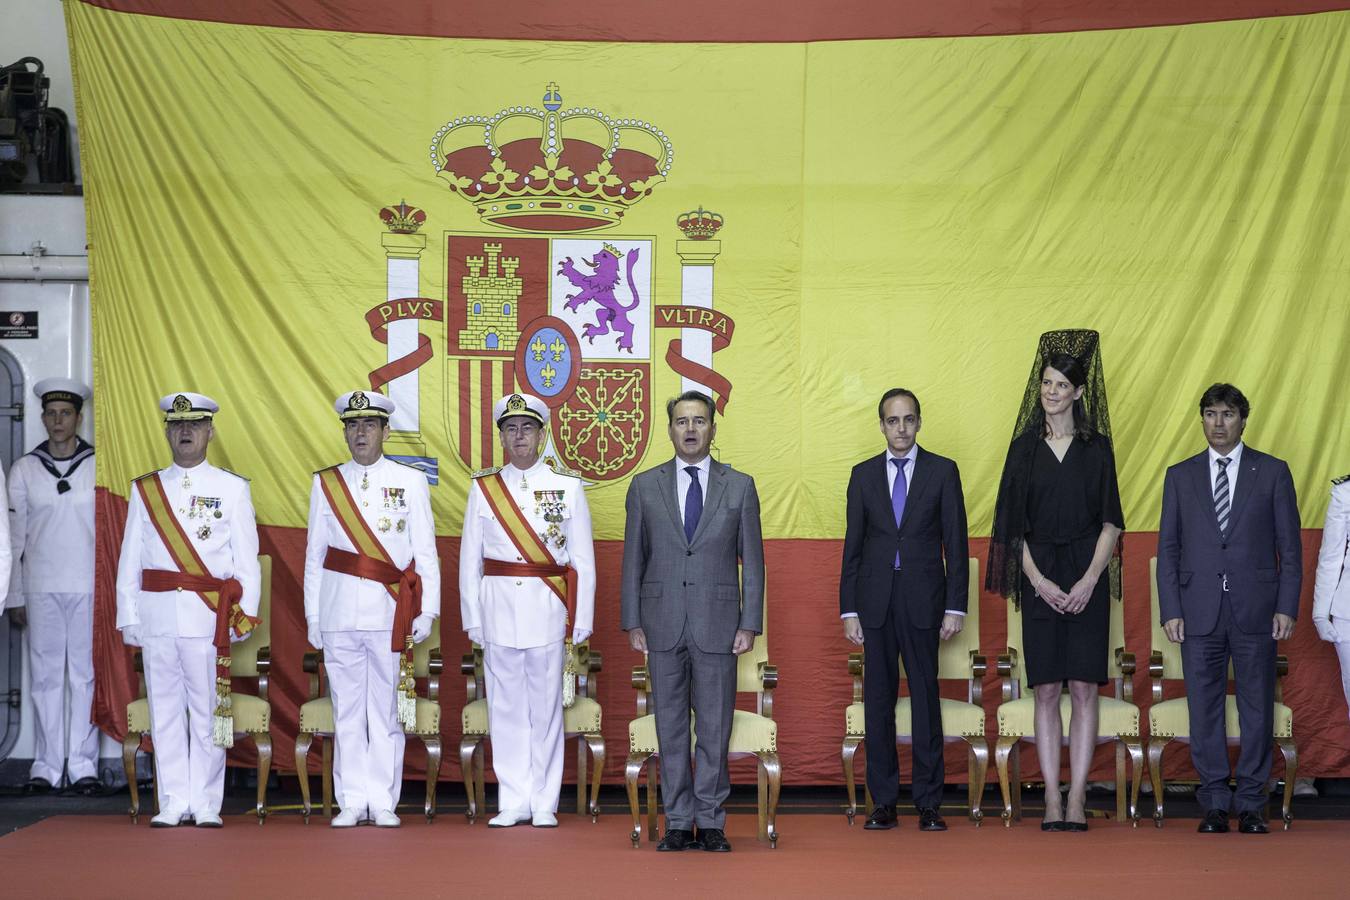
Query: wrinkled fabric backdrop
909	194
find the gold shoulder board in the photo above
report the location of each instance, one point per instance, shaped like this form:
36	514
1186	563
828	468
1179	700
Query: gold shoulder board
490	470
235	474
559	469
1342	480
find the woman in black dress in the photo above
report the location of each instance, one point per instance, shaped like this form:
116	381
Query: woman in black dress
1055	550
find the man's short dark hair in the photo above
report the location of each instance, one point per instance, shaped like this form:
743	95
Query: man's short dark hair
689	395
1227	395
897	392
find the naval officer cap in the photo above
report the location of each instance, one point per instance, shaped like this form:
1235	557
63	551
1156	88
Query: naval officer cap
186	406
62	390
527	405
363	405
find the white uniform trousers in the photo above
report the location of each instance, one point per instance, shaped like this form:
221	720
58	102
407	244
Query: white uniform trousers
61	647
368	757
525	721
180	681
1342	646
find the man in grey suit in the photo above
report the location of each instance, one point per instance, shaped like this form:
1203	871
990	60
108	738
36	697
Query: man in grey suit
690	521
1229	573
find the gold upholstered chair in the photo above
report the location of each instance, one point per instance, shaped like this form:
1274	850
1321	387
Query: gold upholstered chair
250	658
752	734
1118	718
1170	720
581	720
316	720
959	659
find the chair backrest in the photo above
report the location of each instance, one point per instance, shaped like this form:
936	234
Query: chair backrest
244	655
954	655
748	680
422	651
1116	642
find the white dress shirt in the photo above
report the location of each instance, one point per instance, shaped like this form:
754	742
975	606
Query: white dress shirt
683	480
1235	463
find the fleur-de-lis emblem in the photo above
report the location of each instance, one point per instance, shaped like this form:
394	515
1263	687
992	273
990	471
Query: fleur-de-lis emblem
557	347
549	373
537	346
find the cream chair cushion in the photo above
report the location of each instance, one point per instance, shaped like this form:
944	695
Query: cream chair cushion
958	718
1171	718
316	717
1018	717
251	714
750	733
582	718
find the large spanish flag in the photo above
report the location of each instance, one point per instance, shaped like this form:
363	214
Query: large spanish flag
605	202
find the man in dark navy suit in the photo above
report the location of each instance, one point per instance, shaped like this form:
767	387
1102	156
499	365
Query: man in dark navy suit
1229	572
903	585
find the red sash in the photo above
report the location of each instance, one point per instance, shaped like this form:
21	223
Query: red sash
539	562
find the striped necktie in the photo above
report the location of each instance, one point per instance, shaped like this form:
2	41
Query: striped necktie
1221	498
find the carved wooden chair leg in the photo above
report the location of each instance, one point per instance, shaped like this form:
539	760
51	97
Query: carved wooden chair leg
596	743
1290	753
328	747
130	744
761	799
264	744
1120	779
1156	745
581	775
978	772
631	773
846	754
467	747
1135	745
479	779
303	741
1004	750
653	799
433	745
774	771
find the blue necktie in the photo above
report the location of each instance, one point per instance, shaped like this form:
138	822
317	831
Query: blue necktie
693	504
898	492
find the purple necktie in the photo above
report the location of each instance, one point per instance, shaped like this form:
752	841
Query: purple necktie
693	504
898	492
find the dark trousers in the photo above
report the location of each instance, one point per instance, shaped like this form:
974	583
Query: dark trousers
684	678
896	639
1204	661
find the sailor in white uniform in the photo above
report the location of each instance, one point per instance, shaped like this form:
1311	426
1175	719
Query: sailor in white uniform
511	611
350	611
51	516
175	627
1331	593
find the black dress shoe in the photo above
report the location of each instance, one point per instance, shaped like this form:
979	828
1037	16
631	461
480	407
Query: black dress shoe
1066	825
1215	822
678	839
930	819
1251	822
1057	825
86	787
714	840
37	786
882	819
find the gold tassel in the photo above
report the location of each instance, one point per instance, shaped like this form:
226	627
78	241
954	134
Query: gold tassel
222	723
407	690
569	690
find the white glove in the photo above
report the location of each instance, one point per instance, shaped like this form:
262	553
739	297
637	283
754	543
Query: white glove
312	632
1325	630
421	628
476	635
579	635
131	636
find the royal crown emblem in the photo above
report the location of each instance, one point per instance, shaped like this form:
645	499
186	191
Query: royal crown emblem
551	169
182	404
699	225
402	219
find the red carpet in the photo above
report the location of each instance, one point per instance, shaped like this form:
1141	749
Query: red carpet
817	855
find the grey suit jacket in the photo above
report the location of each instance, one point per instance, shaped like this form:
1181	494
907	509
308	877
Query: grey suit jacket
670	582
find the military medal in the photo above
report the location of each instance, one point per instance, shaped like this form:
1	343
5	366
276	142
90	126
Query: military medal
187	482
217	514
204	532
385	524
365	480
550	506
401	526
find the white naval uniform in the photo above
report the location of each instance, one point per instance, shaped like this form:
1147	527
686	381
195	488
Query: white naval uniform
177	628
356	616
1331	594
52	534
523	631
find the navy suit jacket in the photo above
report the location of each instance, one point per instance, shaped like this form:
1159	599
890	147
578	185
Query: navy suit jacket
933	529
1261	554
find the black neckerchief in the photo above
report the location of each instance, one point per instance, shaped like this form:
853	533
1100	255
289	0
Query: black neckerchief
83	451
